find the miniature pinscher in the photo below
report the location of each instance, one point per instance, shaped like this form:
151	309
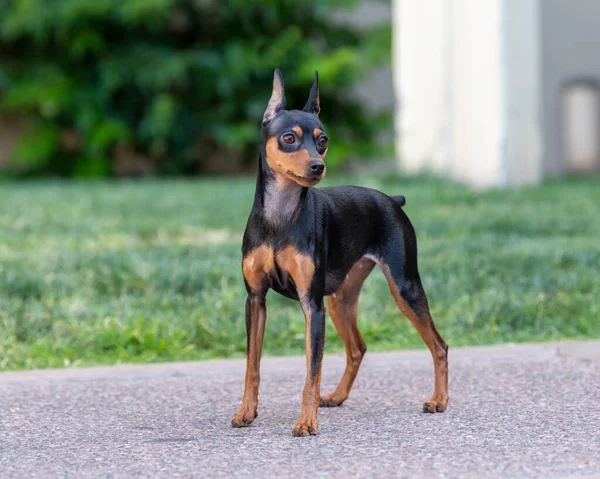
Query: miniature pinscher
308	243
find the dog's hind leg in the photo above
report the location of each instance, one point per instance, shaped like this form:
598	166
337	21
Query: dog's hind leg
407	290
343	309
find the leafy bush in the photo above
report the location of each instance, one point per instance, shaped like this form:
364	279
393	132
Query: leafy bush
173	85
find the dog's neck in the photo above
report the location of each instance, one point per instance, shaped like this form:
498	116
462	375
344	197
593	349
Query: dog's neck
279	199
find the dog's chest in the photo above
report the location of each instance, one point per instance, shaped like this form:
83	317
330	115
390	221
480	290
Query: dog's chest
286	270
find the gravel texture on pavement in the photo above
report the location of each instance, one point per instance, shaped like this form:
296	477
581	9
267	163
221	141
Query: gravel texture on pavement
514	411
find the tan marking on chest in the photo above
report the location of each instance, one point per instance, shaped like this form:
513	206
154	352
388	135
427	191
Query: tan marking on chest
299	266
257	264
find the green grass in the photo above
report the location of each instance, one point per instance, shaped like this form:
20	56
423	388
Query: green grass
100	273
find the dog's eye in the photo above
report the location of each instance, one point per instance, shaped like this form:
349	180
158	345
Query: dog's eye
322	142
288	138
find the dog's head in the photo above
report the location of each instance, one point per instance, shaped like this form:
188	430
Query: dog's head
295	141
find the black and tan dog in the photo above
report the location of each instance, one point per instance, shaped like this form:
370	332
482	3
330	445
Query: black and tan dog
308	243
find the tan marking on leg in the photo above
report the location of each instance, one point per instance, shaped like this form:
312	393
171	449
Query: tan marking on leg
256	265
308	424
424	325
257	310
299	266
343	309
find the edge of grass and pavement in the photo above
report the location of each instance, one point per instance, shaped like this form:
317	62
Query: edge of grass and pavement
579	350
516	410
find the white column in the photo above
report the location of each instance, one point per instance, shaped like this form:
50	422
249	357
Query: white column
421	61
468	83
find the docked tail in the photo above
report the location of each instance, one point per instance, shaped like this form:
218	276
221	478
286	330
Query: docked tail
401	200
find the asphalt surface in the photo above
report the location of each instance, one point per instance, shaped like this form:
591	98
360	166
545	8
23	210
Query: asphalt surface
514	411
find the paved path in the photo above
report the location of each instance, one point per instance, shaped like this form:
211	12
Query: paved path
515	411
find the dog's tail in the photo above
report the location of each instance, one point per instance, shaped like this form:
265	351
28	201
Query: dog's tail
401	200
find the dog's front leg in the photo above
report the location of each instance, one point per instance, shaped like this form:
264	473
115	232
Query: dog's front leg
314	312
256	317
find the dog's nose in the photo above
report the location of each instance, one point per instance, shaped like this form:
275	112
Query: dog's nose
317	167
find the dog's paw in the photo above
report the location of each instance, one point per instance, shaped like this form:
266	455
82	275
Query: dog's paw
243	418
305	428
330	401
435	405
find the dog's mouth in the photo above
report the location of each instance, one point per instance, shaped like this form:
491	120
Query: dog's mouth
305	180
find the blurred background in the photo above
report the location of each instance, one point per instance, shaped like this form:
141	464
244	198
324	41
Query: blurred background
128	147
175	87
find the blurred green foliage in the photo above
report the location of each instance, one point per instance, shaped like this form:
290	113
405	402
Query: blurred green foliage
175	80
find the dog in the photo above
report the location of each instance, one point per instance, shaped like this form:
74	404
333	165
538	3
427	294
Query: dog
308	244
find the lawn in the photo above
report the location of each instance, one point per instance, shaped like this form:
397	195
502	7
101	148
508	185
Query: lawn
101	273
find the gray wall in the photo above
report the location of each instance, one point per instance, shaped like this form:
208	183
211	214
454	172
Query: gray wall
570	45
377	92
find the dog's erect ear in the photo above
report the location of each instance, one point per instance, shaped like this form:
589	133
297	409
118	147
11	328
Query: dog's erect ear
313	105
277	101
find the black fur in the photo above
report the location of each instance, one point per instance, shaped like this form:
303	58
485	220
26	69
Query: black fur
336	226
332	227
